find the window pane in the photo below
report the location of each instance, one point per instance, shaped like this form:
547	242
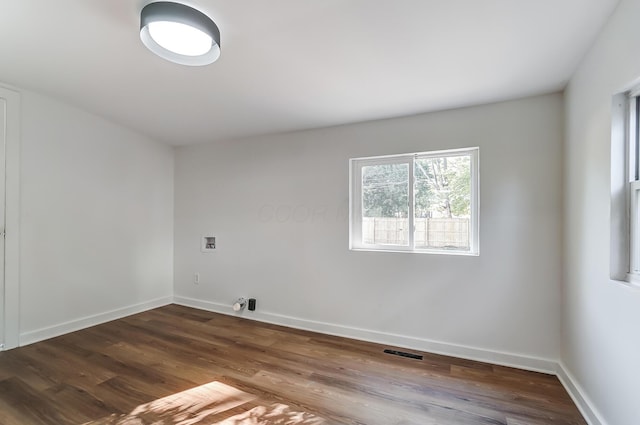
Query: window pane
385	204
443	202
635	140
634	189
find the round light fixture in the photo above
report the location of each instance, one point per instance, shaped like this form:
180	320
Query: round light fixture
179	33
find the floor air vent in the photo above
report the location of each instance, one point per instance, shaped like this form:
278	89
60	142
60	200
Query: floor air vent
403	354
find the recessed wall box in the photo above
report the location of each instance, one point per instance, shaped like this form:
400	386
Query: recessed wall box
208	244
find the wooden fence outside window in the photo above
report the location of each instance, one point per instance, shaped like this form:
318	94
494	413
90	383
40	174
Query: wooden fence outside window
430	232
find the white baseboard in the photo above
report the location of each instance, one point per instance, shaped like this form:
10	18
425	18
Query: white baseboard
579	397
86	322
436	347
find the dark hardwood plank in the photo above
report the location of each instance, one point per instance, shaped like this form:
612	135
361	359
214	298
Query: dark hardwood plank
177	365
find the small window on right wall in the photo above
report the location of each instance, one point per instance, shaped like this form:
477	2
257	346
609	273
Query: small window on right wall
633	186
625	187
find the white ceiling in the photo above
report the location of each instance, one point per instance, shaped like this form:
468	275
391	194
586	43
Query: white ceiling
296	64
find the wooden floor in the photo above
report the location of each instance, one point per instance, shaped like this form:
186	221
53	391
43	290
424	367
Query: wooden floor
176	365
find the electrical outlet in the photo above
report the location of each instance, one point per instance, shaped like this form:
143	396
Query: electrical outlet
196	278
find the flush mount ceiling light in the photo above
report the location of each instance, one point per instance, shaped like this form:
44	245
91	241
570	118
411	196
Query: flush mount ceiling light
179	33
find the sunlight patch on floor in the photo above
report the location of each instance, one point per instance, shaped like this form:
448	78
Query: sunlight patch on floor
280	414
212	403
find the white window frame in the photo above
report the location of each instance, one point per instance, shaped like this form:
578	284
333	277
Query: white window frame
633	184
355	201
625	187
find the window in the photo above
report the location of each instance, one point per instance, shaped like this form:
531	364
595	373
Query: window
633	183
419	202
625	187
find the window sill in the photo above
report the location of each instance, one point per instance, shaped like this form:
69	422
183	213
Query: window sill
437	252
632	280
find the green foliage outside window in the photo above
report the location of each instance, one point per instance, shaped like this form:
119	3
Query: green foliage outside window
442	188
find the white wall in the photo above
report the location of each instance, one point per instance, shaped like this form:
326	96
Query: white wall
279	206
96	219
601	320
